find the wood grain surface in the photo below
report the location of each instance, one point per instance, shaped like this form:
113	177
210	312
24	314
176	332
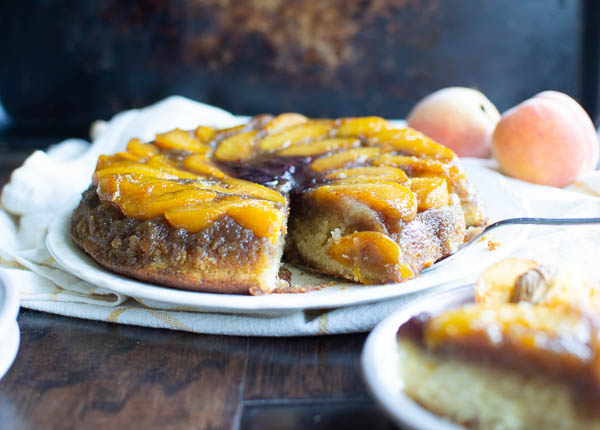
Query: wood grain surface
72	373
79	374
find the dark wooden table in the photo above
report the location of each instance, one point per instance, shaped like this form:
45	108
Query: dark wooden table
72	373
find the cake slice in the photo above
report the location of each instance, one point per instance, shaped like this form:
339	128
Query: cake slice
383	212
526	356
178	220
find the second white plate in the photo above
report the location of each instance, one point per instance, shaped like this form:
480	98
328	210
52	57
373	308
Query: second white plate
495	192
381	357
9	329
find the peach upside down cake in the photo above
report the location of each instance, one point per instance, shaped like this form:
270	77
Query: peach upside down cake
526	355
215	210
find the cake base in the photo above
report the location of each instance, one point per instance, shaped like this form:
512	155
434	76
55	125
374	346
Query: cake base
223	258
483	397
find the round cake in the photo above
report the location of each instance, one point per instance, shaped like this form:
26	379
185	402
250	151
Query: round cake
216	210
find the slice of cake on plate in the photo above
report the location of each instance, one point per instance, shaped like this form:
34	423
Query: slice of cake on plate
526	355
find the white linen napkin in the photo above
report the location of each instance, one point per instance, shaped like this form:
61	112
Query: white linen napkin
49	181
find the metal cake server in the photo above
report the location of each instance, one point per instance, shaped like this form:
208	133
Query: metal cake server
536	221
516	221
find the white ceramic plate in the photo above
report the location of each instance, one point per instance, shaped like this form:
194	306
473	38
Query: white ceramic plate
495	192
9	329
381	361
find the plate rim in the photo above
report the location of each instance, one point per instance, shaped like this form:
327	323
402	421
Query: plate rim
9	328
267	304
9	306
402	409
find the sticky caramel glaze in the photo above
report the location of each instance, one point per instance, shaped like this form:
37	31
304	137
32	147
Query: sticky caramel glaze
573	357
290	174
151	250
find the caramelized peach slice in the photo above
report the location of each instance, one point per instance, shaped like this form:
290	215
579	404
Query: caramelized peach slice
369	251
147	208
205	134
497	281
363	180
140	187
411	142
283	121
344	158
319	147
431	192
264	218
105	161
392	200
129	168
143	150
239	186
518	280
202	166
362	126
391	174
300	133
415	165
429	175
530	329
147	187
182	140
231	130
238	147
163	163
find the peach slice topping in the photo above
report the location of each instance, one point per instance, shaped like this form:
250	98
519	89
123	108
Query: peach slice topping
146	184
224	132
239	186
202	166
144	150
391	199
299	133
182	140
518	280
431	192
264	218
411	142
362	126
204	133
319	147
129	168
163	163
497	281
158	204
283	121
391	174
145	200
368	251
420	165
140	187
105	161
237	147
341	159
528	329
363	180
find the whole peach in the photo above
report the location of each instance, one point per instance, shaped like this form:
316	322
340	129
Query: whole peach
548	139
463	119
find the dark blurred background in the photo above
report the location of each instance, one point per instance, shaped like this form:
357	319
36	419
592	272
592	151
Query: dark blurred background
66	63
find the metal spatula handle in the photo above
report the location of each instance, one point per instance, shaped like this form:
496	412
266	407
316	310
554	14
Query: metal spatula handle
539	221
